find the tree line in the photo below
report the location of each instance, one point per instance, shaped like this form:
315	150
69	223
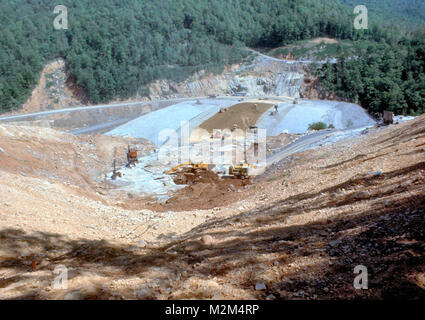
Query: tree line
406	13
383	76
113	49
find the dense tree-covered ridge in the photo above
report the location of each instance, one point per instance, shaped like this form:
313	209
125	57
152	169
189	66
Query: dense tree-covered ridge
409	13
387	75
113	48
382	76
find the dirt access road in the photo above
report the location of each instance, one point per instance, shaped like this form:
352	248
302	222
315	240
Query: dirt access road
107	125
306	142
25	117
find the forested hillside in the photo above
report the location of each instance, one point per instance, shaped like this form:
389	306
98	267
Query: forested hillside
114	48
388	75
382	76
409	13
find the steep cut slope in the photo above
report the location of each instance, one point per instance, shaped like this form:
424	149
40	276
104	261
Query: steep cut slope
55	90
300	236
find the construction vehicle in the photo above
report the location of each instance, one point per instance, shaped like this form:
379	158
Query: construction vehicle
190	173
131	157
388	117
240	171
115	172
191	165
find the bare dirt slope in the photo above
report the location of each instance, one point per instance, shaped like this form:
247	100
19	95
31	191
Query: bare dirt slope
243	115
48	154
305	44
300	231
55	90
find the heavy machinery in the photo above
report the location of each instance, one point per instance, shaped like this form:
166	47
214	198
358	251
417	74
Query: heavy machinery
190	165
189	173
131	157
240	171
115	172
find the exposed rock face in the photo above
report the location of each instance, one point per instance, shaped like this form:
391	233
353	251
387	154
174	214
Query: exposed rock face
55	90
263	76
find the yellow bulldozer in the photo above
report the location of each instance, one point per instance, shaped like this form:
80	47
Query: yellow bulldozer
240	171
188	173
190	165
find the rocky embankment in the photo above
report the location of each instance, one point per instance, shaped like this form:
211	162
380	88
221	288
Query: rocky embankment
264	76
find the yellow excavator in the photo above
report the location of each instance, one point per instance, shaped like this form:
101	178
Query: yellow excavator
190	165
240	171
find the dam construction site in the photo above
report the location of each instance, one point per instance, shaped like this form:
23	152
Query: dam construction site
250	184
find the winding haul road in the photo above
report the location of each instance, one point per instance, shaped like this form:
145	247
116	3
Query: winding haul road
24	117
301	144
332	61
116	122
